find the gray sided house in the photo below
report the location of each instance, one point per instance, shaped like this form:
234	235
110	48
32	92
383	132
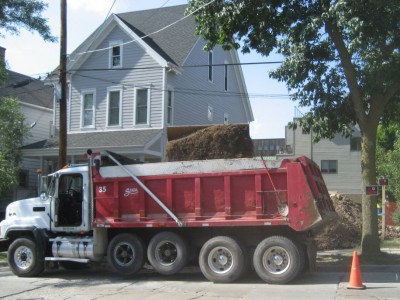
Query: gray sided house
141	73
36	103
339	158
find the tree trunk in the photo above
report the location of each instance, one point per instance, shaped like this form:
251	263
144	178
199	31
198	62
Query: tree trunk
370	244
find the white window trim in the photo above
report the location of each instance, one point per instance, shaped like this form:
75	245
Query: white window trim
111	44
226	117
148	87
210	113
210	66
172	107
114	89
83	93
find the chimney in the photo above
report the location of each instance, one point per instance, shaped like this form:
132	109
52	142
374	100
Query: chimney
2	55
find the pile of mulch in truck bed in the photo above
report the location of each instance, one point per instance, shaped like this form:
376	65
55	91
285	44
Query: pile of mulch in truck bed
345	231
218	141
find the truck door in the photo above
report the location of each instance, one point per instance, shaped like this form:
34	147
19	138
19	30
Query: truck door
69	200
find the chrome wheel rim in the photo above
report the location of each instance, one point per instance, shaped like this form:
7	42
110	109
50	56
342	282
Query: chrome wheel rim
23	257
220	260
276	260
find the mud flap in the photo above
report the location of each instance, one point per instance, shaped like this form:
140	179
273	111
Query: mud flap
312	256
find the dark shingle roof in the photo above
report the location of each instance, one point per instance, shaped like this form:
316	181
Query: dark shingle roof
27	89
133	138
174	42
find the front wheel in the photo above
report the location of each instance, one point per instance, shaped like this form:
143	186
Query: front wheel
24	258
278	260
125	253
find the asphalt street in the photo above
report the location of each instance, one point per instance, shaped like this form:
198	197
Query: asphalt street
382	282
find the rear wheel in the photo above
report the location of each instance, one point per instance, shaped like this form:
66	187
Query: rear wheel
278	260
24	258
168	253
222	259
125	254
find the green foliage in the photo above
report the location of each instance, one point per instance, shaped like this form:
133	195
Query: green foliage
12	133
388	166
17	14
341	58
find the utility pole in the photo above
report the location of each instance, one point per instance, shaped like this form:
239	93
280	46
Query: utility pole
62	139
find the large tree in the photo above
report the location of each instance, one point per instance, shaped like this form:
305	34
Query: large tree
12	133
341	59
23	14
26	14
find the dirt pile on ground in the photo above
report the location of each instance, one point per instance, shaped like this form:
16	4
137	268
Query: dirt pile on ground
219	141
344	232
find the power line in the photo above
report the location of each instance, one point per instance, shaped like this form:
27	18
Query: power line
185	66
189	91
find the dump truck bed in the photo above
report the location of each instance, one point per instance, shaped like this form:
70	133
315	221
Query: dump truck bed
233	192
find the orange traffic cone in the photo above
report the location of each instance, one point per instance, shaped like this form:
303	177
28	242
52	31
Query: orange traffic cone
355	281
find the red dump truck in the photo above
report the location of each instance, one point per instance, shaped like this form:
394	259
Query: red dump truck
229	216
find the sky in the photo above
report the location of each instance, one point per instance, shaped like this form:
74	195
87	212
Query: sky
28	54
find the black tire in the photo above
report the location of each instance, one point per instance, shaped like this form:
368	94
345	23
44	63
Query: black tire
24	258
125	254
278	260
222	260
168	253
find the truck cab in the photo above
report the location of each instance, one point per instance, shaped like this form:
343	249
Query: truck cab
62	208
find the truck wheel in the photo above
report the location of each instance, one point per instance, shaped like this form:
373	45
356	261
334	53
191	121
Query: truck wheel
222	259
125	253
168	253
278	260
24	258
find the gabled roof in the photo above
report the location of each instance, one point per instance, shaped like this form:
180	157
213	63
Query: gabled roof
27	89
171	34
174	42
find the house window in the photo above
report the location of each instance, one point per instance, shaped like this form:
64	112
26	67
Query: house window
142	106
169	107
116	54
210	66
226	78
88	108
210	113
226	119
114	108
305	131
329	166
355	143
